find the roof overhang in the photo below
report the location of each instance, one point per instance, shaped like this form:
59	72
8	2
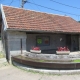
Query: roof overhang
42	31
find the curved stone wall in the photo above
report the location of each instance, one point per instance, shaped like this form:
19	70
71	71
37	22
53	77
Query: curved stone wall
52	56
37	63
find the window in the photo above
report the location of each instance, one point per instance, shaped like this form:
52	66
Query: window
43	40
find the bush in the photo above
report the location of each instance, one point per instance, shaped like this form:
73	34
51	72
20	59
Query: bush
0	38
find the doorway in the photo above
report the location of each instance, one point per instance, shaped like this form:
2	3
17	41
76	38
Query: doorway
75	42
68	41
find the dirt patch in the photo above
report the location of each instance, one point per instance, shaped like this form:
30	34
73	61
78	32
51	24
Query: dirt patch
3	62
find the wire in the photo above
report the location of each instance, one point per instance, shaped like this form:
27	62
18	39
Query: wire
53	9
11	2
2	0
65	4
36	6
31	6
19	3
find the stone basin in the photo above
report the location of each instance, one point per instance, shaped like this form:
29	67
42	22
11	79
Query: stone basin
47	61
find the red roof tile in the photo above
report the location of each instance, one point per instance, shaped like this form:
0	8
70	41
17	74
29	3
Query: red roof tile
36	21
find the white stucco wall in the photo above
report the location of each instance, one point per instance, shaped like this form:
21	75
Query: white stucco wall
14	42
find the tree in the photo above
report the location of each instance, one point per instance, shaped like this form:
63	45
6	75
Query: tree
79	21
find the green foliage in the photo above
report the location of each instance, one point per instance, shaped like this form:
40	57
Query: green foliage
79	21
42	60
1	55
77	60
0	38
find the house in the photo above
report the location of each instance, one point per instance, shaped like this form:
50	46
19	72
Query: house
22	29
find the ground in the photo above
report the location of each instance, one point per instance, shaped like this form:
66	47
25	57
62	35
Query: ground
10	72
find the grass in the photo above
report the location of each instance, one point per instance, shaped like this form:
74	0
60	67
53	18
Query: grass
77	60
4	64
0	38
1	55
42	60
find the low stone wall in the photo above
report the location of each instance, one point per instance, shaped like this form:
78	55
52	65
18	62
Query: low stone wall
45	64
52	56
54	72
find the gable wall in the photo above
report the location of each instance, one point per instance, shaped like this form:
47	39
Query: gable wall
14	42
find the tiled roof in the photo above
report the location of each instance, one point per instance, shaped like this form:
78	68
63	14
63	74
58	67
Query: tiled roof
21	19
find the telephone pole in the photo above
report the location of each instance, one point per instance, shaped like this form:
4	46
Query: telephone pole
23	2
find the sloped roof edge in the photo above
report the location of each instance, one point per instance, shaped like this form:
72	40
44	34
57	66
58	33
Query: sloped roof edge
18	18
35	11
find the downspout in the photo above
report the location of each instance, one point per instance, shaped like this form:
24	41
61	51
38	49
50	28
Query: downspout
21	45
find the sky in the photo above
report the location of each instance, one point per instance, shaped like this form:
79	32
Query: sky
55	8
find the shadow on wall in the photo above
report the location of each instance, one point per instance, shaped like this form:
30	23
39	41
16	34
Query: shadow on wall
51	51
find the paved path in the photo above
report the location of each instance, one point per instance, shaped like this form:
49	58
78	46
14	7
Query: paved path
10	72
